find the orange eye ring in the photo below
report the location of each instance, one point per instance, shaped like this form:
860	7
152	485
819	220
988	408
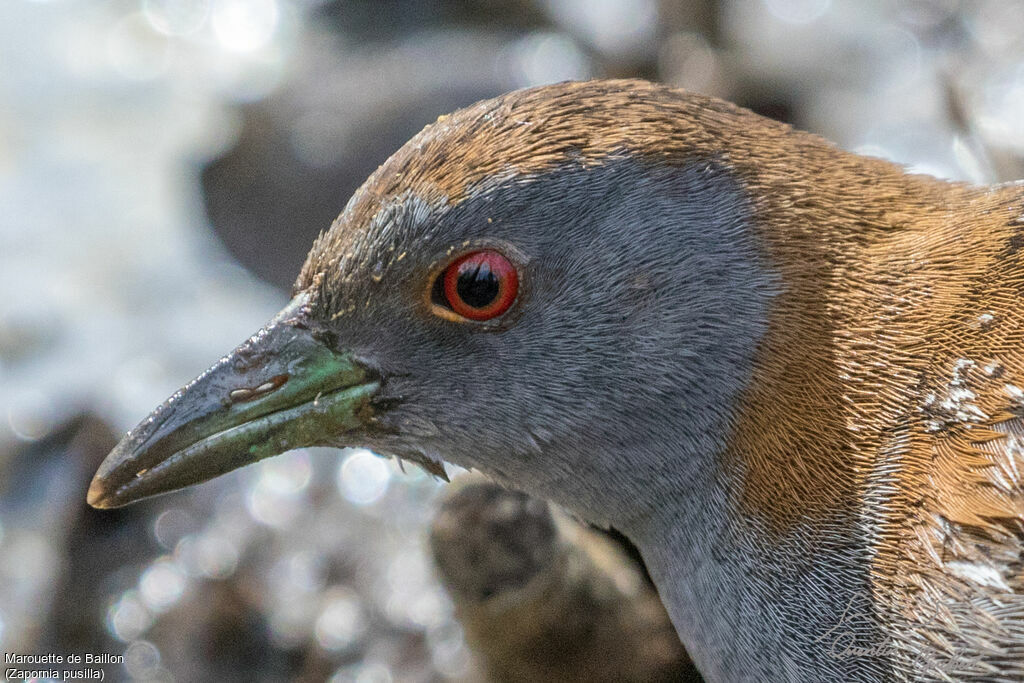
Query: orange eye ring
480	285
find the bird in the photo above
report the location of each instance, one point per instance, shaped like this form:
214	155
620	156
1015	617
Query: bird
792	376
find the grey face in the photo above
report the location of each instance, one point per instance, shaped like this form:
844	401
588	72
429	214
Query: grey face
642	298
610	379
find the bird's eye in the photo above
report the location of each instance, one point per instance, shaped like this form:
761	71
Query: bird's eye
480	285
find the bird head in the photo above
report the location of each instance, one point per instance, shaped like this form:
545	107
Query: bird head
560	287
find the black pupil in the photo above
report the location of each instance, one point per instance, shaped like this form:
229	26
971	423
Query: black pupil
477	285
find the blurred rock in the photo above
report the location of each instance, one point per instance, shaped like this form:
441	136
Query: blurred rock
543	598
342	111
58	553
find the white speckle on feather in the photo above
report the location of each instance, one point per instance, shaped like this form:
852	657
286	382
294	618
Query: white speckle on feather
960	366
959	395
956	406
980	574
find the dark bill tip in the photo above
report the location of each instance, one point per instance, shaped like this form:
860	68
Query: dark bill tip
98	495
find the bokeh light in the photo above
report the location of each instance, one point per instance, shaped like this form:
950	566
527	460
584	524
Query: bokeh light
128	618
245	25
161	585
363	478
176	17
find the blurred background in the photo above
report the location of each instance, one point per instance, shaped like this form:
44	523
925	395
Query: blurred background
166	164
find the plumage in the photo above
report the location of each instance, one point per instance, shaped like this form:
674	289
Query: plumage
792	375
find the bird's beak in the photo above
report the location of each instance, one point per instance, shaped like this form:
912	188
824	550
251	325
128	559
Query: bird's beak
281	389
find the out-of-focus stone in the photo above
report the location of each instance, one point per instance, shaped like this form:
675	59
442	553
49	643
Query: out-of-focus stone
543	598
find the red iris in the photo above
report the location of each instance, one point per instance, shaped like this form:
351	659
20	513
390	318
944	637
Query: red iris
480	285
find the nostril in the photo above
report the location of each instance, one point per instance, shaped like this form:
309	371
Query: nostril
249	394
239	395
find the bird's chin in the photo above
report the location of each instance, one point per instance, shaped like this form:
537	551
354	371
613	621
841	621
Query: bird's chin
282	389
427	460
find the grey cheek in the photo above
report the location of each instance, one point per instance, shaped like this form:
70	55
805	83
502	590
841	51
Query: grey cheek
664	320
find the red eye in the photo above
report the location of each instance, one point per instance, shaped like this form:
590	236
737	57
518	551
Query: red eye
480	285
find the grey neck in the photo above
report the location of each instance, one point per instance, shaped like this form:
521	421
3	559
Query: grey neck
748	610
